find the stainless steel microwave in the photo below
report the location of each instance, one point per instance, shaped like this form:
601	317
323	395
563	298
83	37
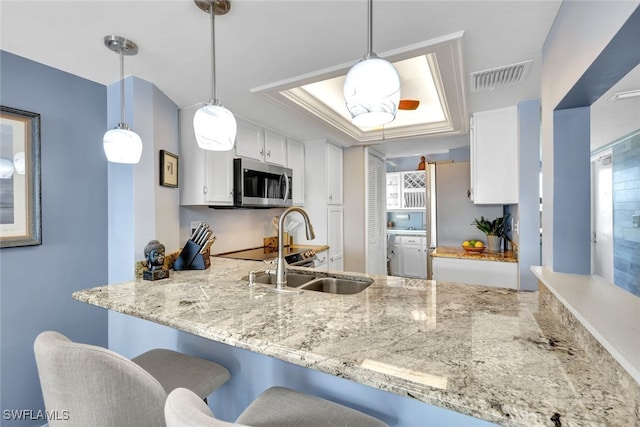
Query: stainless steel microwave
260	185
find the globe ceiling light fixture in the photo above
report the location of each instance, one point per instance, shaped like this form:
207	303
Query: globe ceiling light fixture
214	126
372	87
122	145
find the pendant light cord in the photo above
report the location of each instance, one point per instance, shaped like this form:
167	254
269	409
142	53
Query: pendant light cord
121	52
370	28
212	12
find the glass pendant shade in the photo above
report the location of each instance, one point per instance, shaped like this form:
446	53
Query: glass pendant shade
215	128
122	146
372	92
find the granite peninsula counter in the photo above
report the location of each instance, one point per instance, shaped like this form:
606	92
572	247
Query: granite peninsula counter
490	353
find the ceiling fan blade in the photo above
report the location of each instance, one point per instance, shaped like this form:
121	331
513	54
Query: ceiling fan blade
408	104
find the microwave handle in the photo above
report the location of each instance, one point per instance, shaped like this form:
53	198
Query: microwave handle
286	188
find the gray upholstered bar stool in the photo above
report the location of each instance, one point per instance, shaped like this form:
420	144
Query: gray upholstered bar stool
275	407
99	387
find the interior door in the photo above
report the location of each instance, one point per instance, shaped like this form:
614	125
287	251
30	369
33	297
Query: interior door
602	217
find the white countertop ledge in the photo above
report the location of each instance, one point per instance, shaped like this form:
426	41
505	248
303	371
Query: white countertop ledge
608	312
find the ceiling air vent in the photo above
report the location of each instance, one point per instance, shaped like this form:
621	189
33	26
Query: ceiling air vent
500	77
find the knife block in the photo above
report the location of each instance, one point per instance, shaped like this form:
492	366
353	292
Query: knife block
190	258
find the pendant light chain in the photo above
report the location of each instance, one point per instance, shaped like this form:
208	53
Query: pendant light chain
122	115
370	28
214	93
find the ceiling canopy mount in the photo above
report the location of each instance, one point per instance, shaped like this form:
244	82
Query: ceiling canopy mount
120	44
220	7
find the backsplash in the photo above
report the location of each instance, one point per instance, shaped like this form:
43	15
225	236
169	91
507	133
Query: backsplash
626	214
411	220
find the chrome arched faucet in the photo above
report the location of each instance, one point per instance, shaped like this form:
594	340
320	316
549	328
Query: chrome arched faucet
281	275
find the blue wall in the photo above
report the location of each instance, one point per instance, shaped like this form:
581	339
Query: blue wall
36	282
626	205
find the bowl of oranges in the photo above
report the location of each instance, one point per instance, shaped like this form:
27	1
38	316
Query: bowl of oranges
473	246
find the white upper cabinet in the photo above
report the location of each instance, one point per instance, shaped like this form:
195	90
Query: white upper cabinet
406	190
334	175
249	140
255	142
494	157
394	193
275	148
206	177
295	162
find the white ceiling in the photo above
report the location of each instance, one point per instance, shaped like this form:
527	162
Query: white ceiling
264	41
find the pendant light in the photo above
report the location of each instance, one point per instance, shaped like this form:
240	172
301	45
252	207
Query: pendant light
214	126
122	145
372	86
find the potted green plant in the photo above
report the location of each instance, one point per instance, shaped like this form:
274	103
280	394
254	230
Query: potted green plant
495	230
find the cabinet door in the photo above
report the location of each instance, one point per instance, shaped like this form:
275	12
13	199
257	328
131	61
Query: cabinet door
219	177
250	140
413	256
334	175
476	272
393	190
414	190
494	157
295	161
411	260
275	148
335	230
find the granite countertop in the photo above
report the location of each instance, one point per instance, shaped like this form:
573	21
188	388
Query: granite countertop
459	252
491	353
405	232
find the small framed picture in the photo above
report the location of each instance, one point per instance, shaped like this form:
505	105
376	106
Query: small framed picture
168	169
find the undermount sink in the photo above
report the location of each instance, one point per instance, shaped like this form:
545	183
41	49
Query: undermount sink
335	285
331	285
293	279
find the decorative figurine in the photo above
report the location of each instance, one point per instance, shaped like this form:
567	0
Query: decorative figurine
154	253
423	163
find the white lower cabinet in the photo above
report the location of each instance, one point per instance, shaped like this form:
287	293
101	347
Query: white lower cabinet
476	272
335	232
411	254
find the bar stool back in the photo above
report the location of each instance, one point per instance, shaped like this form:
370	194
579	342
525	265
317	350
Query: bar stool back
275	407
87	385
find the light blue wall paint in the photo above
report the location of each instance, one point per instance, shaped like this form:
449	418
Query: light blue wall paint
528	211
140	209
626	209
580	32
572	191
36	282
410	163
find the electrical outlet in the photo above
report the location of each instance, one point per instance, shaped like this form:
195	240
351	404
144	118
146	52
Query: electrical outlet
515	226
635	219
